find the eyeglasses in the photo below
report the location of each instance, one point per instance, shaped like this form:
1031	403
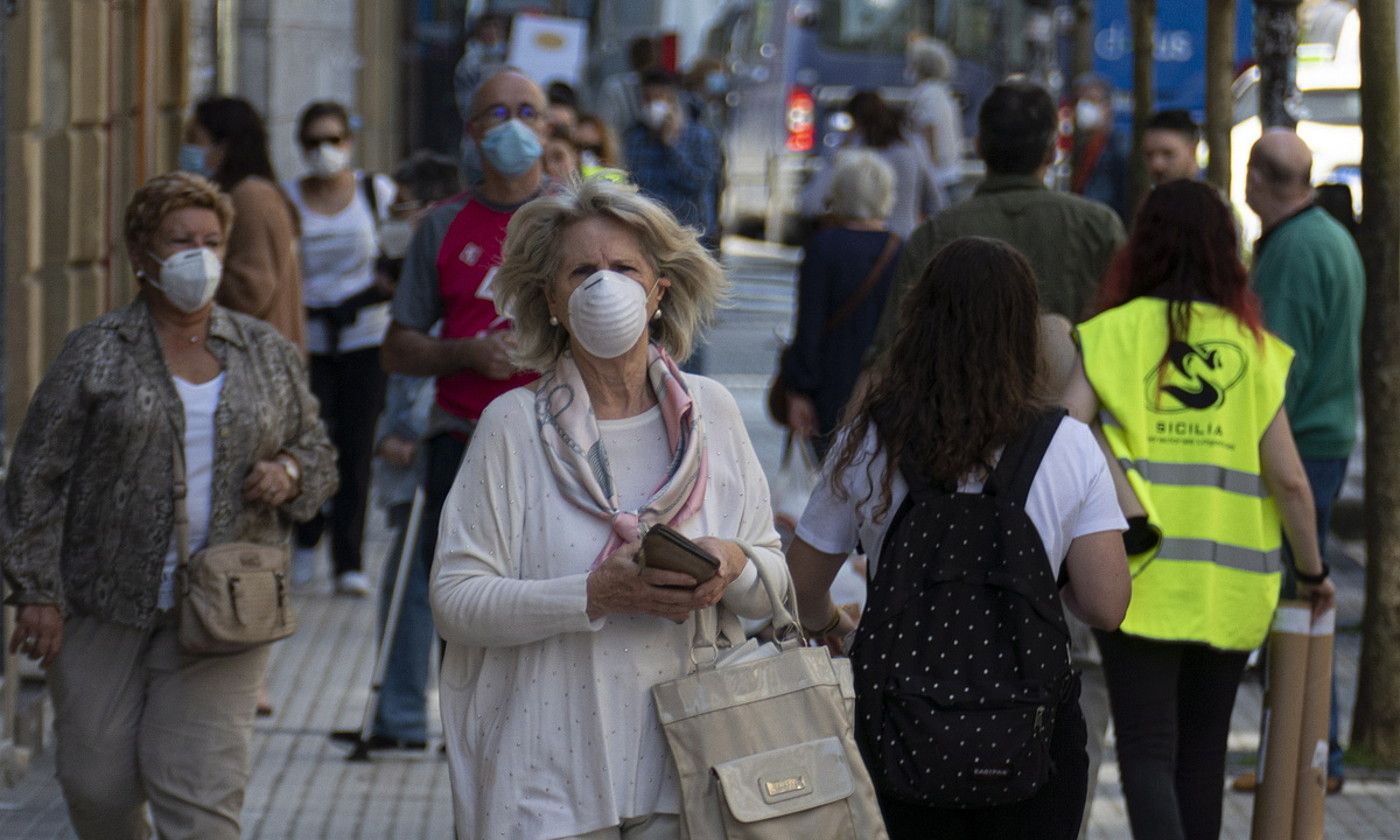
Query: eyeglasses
313	142
497	114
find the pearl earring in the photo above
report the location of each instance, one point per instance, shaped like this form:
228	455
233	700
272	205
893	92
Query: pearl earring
657	315
553	321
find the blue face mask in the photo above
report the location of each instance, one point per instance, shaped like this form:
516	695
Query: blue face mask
194	159
716	83
511	148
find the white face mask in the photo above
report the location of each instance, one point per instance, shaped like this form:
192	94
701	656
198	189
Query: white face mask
327	159
656	113
189	278
1088	115
394	236
608	314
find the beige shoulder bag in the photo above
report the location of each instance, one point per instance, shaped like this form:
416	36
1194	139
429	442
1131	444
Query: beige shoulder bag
762	739
230	597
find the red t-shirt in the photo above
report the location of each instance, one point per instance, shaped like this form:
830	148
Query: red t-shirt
466	266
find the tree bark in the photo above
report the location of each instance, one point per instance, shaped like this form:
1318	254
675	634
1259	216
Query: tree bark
1376	721
1220	72
1144	23
1276	50
1083	39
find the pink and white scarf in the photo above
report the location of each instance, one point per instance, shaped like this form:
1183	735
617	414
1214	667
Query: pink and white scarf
574	448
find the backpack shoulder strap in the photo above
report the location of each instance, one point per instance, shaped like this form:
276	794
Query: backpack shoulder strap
367	182
1020	460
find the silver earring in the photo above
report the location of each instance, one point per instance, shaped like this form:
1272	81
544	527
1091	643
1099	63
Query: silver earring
657	315
553	321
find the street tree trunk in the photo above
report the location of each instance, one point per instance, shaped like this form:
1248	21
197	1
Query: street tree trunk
1220	71
1376	721
1083	39
1276	50
1144	23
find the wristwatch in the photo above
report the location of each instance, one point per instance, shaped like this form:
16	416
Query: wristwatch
291	466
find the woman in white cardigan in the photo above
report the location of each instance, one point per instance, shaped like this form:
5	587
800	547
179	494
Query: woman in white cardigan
555	637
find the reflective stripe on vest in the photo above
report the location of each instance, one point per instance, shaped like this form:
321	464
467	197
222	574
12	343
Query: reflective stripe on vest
1184	420
1197	475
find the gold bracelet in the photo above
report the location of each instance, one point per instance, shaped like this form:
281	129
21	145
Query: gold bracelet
830	625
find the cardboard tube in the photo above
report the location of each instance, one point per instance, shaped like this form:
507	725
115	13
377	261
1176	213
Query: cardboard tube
1283	721
1309	801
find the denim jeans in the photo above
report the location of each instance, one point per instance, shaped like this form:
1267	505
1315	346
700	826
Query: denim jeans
1325	476
402	710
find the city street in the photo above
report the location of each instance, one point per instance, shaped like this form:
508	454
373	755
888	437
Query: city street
302	786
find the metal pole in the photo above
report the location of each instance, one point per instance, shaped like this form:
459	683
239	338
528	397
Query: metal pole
391	626
1276	49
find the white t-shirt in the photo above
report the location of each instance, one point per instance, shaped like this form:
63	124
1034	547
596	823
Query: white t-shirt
638	455
1072	495
338	253
200	402
932	105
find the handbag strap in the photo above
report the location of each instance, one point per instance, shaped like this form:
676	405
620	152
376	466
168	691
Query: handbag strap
787	630
182	517
877	272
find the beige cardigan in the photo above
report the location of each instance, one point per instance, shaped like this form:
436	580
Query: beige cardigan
262	272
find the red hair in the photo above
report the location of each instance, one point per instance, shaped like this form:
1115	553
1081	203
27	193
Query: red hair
1183	248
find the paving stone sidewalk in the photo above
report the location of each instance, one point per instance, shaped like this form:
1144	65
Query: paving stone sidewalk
302	786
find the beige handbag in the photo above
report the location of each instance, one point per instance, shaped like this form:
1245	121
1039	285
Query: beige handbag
230	597
761	737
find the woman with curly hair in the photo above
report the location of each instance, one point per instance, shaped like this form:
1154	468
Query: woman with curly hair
959	386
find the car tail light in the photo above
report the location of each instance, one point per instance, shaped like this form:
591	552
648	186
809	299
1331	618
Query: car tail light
801	120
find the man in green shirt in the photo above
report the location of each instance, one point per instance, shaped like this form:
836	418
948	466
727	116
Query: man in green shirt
1067	239
1309	277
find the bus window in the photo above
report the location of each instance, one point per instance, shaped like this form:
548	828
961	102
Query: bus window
870	26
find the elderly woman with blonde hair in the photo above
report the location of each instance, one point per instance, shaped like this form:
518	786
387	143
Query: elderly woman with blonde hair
555	635
933	111
170	392
842	282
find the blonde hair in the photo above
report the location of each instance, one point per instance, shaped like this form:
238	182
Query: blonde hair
165	194
862	186
930	58
531	260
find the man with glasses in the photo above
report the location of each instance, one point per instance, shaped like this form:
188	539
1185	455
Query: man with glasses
446	281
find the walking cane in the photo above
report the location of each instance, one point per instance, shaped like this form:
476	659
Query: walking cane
391	628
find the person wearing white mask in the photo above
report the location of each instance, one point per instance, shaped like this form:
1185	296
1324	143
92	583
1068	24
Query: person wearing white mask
673	158
341	211
88	542
1099	157
554	634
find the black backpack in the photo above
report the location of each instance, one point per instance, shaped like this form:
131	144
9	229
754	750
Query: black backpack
962	655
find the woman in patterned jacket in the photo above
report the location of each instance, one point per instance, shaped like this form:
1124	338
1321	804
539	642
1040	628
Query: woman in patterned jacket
88	535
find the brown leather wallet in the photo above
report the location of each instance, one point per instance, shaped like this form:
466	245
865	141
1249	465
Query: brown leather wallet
664	548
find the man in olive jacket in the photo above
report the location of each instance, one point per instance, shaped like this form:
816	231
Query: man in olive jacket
1068	240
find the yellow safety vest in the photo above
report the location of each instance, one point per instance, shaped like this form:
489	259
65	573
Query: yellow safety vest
1185	422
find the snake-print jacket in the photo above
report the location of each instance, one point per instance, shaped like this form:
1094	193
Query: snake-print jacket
88	510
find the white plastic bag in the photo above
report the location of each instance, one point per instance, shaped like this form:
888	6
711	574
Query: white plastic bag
797	476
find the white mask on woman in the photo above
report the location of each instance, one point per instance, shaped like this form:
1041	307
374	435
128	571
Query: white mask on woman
327	159
189	278
608	313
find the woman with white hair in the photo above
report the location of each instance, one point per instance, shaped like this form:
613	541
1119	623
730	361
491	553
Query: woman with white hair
933	112
555	635
845	274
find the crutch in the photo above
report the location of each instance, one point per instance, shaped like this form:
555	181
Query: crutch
391	628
